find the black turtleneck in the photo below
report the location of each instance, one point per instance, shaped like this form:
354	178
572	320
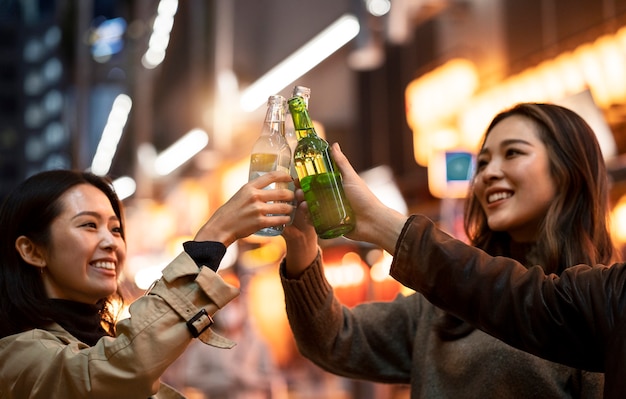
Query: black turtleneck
82	320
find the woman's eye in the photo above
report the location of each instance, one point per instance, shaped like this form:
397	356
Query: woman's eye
90	224
513	152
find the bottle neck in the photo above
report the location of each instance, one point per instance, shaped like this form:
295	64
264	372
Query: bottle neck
275	119
301	120
303	124
304	92
305	97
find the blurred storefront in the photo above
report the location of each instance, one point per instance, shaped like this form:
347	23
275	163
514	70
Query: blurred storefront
442	69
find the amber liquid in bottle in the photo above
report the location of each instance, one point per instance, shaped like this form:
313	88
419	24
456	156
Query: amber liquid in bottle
320	179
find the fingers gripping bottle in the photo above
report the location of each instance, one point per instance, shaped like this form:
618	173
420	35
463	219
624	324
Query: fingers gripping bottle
270	151
320	179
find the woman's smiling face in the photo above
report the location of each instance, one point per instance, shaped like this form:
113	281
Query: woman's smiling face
86	252
513	182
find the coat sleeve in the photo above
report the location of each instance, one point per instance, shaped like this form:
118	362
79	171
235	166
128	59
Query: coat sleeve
567	319
42	364
371	342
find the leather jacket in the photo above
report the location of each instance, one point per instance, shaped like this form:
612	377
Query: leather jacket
577	318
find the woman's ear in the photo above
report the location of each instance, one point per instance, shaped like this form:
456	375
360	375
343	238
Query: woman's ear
30	252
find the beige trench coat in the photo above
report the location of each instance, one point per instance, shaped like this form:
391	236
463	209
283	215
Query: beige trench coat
51	363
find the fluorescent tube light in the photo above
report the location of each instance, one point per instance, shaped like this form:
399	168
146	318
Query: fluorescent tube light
300	62
124	186
180	152
107	147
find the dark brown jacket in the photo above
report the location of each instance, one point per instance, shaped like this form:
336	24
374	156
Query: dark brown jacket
576	319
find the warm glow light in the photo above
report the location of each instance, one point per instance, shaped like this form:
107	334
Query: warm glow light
571	75
586	56
599	67
300	62
437	93
618	220
349	273
180	152
613	67
432	98
380	270
550	80
380	181
111	135
146	276
235	176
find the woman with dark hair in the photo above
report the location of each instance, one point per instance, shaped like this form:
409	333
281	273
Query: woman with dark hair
62	252
540	185
578	212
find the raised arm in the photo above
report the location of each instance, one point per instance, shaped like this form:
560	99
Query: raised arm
568	319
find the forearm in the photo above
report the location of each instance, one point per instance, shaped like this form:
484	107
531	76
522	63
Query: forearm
54	364
550	318
380	227
344	341
175	310
302	251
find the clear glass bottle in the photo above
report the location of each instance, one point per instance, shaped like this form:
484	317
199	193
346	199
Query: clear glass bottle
271	151
320	179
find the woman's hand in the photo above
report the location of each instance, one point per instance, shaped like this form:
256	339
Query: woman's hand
376	223
300	238
252	208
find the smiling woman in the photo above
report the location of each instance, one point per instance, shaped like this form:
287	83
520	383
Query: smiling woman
540	196
62	252
513	183
87	249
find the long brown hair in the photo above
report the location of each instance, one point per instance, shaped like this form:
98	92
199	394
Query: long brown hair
575	229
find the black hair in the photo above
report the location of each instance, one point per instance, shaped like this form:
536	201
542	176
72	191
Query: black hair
29	210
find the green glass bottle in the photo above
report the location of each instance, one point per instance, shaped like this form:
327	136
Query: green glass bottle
290	133
320	179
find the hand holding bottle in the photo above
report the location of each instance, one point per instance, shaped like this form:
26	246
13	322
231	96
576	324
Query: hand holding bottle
376	223
300	239
271	151
319	178
252	208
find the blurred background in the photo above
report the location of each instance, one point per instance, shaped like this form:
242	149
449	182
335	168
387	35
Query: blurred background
166	97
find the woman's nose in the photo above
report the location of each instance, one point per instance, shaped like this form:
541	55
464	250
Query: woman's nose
108	240
493	170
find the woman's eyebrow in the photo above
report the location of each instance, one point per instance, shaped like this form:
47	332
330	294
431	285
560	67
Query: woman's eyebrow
506	142
94	214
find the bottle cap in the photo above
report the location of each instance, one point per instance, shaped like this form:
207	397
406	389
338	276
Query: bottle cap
302	91
275	99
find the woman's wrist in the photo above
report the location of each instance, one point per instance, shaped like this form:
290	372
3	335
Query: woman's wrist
380	226
301	253
209	232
